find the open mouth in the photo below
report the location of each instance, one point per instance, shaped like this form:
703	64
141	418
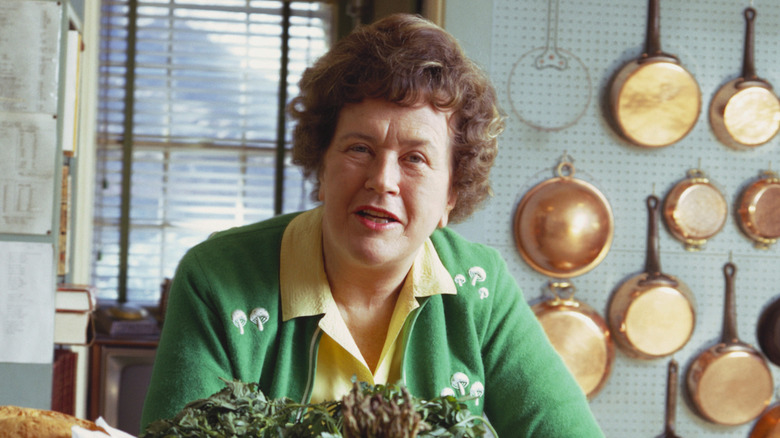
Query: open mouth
377	216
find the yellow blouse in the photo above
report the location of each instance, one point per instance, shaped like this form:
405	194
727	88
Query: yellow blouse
305	292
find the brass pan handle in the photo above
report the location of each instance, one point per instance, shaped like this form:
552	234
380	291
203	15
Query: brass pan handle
653	36
652	260
653	40
748	60
729	310
671	398
652	264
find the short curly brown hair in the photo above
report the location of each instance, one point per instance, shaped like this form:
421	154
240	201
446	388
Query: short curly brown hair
404	59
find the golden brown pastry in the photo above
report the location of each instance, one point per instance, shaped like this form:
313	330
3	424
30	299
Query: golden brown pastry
18	422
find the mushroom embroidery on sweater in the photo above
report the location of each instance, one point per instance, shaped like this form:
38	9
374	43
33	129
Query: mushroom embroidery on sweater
476	274
239	319
447	391
459	383
477	389
259	316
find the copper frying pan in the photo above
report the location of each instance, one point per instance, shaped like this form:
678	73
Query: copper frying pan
745	112
757	210
651	314
768	331
579	335
730	383
768	426
563	226
695	210
654	100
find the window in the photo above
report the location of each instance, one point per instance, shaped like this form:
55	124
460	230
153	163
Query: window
204	136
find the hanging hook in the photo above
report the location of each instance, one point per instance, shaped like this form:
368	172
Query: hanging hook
566	158
565	167
559	288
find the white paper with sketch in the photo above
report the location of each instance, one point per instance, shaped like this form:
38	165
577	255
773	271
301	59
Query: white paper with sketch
29	56
26	302
27	172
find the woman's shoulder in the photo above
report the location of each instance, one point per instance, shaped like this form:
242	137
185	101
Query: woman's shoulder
267	230
272	226
453	247
232	259
478	270
260	240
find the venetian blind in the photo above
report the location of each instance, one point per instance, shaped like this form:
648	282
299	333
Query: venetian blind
205	127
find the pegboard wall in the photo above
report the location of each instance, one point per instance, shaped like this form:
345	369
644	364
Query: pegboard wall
565	112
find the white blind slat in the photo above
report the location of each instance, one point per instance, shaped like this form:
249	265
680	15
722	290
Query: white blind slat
205	125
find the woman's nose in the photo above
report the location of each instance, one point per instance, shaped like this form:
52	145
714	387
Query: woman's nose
384	175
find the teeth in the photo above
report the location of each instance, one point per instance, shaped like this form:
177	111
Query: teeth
377	217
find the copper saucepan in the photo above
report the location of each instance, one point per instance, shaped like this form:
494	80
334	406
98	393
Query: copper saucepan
768	425
654	100
757	210
730	383
579	335
652	314
745	112
768	331
671	401
695	210
563	226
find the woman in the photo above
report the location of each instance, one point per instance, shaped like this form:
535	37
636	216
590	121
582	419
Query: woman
399	129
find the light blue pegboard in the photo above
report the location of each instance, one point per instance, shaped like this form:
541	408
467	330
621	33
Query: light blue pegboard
708	37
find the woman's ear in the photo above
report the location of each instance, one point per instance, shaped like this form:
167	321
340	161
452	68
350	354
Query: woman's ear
321	169
447	209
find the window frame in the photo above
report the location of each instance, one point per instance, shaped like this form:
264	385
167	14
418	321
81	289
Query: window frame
131	144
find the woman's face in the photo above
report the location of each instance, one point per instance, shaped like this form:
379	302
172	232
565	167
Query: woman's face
385	184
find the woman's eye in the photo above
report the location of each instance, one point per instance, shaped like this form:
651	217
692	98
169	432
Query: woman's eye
359	148
415	158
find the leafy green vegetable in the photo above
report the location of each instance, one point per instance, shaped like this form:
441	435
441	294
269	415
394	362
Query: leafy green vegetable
380	412
368	411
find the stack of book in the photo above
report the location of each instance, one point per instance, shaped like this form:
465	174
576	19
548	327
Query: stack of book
125	320
74	304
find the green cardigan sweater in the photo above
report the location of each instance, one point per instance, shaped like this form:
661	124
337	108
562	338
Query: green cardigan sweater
486	332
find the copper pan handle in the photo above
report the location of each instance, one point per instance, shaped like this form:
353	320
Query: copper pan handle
748	60
652	260
671	399
652	263
653	39
729	311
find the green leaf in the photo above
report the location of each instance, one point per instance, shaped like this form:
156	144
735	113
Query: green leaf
368	411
